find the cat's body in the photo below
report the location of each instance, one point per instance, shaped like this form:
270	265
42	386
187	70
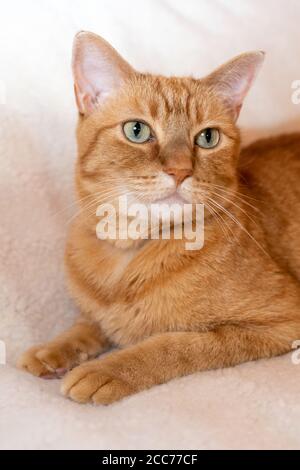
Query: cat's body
160	287
176	311
270	168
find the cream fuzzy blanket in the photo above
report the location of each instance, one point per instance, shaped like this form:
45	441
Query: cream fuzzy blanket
251	406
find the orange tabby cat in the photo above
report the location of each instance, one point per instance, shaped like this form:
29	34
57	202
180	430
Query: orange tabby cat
173	311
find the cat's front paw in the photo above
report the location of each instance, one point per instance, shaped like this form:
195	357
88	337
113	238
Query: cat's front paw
30	363
96	382
47	361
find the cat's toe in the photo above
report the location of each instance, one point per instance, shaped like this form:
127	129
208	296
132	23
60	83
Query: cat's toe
95	384
30	363
56	360
111	391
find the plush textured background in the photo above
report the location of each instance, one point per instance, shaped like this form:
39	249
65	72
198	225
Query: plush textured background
251	406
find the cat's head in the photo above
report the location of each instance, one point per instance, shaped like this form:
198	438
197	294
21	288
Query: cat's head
155	138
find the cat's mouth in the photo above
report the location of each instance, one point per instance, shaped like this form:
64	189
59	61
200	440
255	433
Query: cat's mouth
174	198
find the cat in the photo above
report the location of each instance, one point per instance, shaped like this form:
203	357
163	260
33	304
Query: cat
168	311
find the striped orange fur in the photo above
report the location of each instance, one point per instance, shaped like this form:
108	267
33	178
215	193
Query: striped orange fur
170	311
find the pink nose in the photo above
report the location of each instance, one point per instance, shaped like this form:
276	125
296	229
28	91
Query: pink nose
179	174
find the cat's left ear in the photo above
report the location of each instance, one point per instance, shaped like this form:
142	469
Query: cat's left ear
233	80
98	71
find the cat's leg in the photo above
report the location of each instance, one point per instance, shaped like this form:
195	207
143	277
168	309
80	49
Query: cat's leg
166	356
82	341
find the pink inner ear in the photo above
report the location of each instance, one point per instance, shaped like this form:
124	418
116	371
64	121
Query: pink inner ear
233	80
89	79
239	92
98	71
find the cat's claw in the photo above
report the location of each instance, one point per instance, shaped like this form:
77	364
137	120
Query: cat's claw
57	374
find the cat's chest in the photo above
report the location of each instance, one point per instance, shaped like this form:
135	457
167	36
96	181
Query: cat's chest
134	294
115	272
142	305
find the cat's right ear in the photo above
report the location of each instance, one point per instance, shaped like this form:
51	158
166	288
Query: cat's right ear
98	71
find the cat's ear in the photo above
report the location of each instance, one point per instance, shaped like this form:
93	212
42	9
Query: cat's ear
233	80
98	71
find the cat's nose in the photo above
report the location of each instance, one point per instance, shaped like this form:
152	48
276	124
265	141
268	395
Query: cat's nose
179	174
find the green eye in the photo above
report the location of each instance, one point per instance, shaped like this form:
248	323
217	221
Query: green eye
137	132
208	138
